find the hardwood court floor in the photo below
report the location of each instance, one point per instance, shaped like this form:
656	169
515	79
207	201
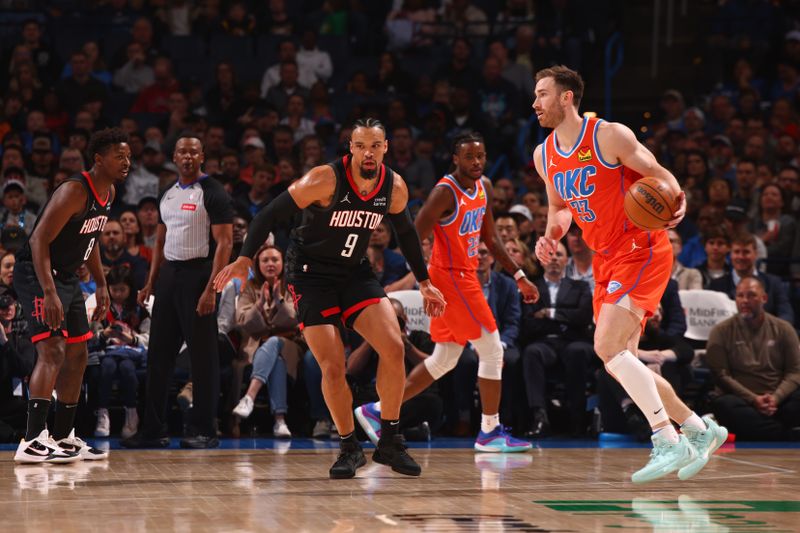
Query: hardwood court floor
550	489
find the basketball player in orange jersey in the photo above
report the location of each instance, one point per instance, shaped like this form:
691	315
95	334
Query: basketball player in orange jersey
588	165
458	213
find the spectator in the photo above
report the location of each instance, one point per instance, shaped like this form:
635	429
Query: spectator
276	19
717	244
521	254
278	95
389	266
418	173
142	180
693	253
775	228
459	71
305	77
746	189
503	297
423	412
17	356
238	21
743	259
224	100
155	97
133	236
719	193
557	331
579	264
37	183
312	155
135	74
254	156
687	278
311	59
506	224
113	252
296	117
517	74
252	201
14	212
721	158
755	360
266	315
524	219
789	181
122	347
43	56
736	221
97	67
80	87
240	223
7	262
71	161
141	33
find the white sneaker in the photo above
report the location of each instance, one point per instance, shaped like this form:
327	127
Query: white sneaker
322	430
281	431
103	428
131	423
244	408
75	444
43	449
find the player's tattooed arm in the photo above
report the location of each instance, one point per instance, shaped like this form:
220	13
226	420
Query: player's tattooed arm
67	201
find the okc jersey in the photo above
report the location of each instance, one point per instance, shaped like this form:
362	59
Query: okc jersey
456	239
339	234
76	240
453	268
593	188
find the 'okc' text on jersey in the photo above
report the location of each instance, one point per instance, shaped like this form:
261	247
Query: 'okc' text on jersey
472	221
574	188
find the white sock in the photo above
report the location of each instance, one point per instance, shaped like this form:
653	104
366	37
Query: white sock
695	422
638	382
669	432
489	422
378	406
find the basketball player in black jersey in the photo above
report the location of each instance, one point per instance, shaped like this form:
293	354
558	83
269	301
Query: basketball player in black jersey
333	285
64	237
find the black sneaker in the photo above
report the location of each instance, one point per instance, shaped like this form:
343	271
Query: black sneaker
351	458
200	442
140	441
393	453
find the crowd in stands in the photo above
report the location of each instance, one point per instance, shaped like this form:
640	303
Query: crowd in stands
270	87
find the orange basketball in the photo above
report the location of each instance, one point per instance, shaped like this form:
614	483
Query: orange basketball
650	203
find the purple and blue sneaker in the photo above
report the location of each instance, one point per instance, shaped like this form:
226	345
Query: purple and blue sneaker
369	419
499	440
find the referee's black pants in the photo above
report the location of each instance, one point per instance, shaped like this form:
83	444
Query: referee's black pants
175	320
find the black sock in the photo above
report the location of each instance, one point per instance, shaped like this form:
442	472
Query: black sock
37	417
65	419
349	438
389	428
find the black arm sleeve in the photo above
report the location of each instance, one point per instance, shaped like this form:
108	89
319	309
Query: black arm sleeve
281	208
409	243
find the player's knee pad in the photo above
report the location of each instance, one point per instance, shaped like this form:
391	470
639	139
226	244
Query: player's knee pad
444	358
490	355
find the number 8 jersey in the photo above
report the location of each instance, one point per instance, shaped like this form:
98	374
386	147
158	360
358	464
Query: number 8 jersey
339	234
76	240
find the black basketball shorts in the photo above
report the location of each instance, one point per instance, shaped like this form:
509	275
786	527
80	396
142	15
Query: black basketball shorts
328	295
74	328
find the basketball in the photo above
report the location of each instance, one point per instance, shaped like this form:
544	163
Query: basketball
650	203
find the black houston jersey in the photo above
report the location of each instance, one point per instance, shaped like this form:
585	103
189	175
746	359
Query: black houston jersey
339	234
74	243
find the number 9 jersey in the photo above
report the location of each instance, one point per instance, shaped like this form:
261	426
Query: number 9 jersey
339	234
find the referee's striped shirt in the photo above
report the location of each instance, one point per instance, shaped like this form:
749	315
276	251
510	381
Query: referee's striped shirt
188	211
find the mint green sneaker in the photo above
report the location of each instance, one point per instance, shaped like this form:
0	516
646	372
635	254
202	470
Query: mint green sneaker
666	457
705	443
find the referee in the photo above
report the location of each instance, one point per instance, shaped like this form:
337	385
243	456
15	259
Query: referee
193	212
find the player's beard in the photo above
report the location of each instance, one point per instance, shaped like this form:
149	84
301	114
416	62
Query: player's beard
369	174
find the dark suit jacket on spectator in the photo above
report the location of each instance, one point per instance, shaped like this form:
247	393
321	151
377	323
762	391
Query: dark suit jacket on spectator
573	317
777	298
504	303
673	320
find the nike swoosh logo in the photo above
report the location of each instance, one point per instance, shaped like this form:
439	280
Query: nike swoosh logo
656	412
33	452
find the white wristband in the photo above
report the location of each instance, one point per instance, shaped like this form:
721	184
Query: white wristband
519	274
